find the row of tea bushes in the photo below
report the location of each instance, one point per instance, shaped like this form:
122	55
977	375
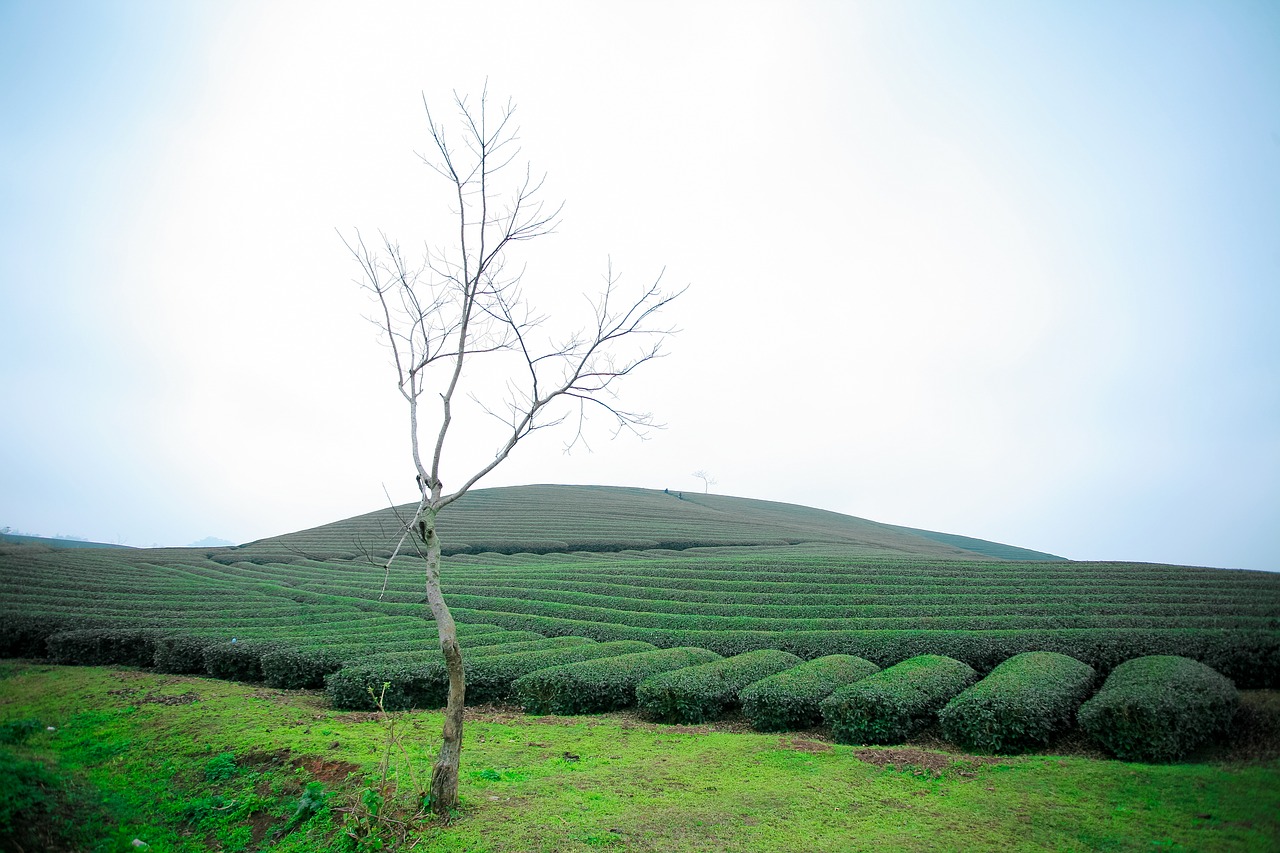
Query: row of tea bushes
1023	703
595	686
278	664
489	677
792	699
1250	658
1155	708
705	692
891	705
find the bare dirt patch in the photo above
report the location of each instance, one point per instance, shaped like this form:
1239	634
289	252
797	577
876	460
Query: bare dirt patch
326	770
153	698
923	762
354	717
272	760
504	715
813	747
260	824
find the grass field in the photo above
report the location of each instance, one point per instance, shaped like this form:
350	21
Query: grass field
194	764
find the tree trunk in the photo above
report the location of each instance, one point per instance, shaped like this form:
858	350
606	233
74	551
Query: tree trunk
444	776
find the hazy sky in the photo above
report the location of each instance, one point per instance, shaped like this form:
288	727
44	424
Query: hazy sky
1004	269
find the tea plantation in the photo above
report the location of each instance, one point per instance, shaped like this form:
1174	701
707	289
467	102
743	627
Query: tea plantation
557	576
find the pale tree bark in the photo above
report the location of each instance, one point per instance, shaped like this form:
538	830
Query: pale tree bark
460	306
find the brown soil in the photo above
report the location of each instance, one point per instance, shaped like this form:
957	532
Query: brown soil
325	770
923	762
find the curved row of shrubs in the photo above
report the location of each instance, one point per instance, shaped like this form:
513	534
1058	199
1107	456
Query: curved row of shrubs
1152	708
704	692
1021	704
1159	708
791	699
489	678
1249	658
891	705
607	684
277	664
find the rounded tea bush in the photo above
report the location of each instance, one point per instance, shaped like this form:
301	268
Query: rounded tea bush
704	692
1020	705
237	660
595	686
1159	708
892	704
181	654
791	699
296	669
103	647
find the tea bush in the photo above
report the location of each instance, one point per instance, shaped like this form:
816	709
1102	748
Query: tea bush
1159	708
181	654
27	635
103	647
1020	704
704	692
491	678
891	705
594	686
295	669
790	700
237	660
426	685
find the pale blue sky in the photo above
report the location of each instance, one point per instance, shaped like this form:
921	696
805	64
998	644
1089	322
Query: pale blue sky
1008	270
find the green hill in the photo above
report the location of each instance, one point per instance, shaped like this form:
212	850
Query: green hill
53	541
557	519
542	564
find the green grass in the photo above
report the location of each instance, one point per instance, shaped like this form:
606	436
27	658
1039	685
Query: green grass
189	764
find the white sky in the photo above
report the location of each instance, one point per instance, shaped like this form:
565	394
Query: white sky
1003	269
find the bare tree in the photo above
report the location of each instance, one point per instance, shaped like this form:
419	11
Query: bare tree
707	480
464	306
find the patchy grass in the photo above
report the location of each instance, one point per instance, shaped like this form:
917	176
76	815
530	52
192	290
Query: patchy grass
192	764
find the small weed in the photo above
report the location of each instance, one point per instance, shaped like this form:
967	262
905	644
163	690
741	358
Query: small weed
26	787
314	801
602	839
204	812
221	768
18	731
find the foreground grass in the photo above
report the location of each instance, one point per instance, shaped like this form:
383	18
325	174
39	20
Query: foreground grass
186	764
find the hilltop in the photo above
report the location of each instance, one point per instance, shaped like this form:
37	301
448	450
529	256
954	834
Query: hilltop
558	518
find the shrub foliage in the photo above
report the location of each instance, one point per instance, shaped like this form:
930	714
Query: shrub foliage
181	654
27	635
298	669
103	647
426	685
1159	708
606	684
704	692
237	660
791	699
1021	704
890	705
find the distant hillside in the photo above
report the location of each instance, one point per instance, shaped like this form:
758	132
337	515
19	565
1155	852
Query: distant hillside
54	542
982	546
551	519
